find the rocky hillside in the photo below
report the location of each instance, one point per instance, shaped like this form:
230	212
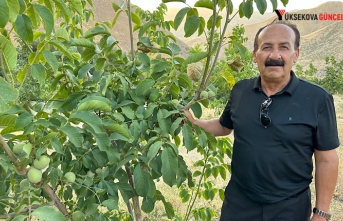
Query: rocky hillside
318	38
103	11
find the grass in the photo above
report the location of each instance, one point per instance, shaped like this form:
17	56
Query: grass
336	208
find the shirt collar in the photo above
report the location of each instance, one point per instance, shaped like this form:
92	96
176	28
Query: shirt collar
290	87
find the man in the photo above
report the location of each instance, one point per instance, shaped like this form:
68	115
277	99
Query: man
279	122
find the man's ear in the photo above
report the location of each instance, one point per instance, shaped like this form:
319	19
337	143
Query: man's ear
297	53
254	55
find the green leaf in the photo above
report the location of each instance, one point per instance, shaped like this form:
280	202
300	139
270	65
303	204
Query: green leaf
201	26
196	108
261	5
169	209
187	137
62	48
23	120
125	190
175	125
20	218
47	18
77	5
8	52
94	105
5	14
135	130
248	9
144	86
284	2
88	117
202	139
144	59
191	25
64	10
7	120
153	150
111	204
47	213
145	27
82	73
128	112
169	166
23	26
73	134
204	4
161	67
55	176
194	58
144	185
148	204
274	4
82	42
100	64
96	31
116	128
185	80
51	59
14	8
179	17
38	73
61	33
7	95
149	110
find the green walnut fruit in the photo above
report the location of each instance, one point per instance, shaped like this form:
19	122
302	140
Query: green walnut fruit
70	176
24	185
34	175
18	148
194	72
204	95
27	148
42	162
78	216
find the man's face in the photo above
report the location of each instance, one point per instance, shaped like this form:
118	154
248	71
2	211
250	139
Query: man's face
276	54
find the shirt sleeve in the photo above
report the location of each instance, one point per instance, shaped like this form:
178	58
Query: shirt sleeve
225	118
327	133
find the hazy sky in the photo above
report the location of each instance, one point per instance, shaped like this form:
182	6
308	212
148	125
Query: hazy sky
292	4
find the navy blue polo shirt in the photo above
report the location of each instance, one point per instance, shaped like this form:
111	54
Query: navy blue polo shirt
273	163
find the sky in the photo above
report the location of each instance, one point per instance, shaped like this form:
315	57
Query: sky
292	4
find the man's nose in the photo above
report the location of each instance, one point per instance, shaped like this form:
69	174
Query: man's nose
274	55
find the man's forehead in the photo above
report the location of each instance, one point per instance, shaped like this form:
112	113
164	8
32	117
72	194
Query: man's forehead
277	31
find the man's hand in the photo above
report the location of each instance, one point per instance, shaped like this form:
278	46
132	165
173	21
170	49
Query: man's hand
189	116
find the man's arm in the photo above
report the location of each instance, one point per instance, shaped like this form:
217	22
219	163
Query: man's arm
326	173
212	126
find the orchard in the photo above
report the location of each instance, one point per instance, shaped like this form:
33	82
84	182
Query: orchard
86	125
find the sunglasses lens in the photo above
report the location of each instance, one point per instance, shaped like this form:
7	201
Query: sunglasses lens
265	119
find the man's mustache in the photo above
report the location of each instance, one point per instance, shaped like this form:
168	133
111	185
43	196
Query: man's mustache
272	62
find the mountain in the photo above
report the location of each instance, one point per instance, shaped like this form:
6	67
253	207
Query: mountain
103	11
318	38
